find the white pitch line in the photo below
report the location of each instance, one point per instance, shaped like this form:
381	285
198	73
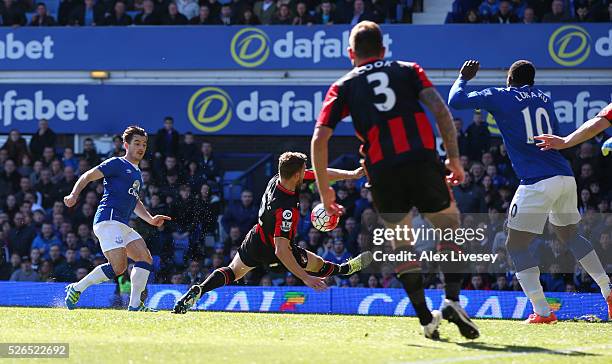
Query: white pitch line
508	355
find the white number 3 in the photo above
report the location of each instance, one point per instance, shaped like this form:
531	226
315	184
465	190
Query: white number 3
382	89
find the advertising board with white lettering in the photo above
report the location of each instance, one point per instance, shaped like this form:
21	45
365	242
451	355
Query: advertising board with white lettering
221	110
557	46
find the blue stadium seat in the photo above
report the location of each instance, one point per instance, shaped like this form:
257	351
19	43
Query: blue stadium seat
232	190
29	17
133	14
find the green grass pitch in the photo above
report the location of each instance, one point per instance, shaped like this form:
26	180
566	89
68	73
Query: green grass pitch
114	336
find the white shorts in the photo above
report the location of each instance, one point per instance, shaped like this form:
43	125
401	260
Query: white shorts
555	198
114	234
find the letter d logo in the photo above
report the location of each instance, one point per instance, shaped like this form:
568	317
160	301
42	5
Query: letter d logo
250	47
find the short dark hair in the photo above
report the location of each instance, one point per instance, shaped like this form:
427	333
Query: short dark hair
132	130
169	118
290	163
522	73
366	39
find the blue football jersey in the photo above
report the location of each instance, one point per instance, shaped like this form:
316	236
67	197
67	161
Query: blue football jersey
122	181
521	113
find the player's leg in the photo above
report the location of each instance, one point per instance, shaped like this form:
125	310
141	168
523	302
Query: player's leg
111	243
137	251
218	278
318	267
565	217
448	218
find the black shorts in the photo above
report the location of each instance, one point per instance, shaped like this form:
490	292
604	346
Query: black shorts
411	184
254	252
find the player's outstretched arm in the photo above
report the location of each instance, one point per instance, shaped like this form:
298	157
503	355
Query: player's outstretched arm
93	174
319	154
342	174
585	132
432	99
157	220
284	254
458	98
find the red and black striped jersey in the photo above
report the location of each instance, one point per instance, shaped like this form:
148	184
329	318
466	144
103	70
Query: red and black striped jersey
279	211
606	113
382	98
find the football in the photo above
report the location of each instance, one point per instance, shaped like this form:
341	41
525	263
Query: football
321	220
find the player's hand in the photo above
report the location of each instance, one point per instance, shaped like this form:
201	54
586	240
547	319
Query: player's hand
606	147
457	173
469	69
549	141
316	283
358	173
328	198
70	200
158	220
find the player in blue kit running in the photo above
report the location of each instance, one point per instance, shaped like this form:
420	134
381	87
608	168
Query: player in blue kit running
547	188
122	181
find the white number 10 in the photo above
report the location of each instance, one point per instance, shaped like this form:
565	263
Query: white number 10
540	114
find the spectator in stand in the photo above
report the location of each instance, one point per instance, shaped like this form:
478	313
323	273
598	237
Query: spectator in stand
65	10
338	254
8	268
25	273
529	16
188	149
118	17
501	283
69	160
207	210
90	153
557	13
244	213
302	17
189	8
504	15
518	7
210	166
193	275
325	15
603	16
147	16
469	196
21	236
15	146
226	17
471	17
204	17
167	139
13	14
582	13
360	13
41	18
66	270
265	11
173	17
89	13
215	9
478	137
488	9
283	16
45	239
373	282
117	150
248	17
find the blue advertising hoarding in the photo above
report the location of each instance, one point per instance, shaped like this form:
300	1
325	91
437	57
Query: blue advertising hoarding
219	110
559	46
352	301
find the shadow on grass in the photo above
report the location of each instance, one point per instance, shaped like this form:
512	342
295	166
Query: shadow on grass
522	349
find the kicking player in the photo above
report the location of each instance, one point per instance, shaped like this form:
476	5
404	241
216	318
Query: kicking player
586	131
400	159
122	181
270	241
547	188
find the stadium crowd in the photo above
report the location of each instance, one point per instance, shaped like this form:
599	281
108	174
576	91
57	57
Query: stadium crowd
42	240
530	11
204	12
